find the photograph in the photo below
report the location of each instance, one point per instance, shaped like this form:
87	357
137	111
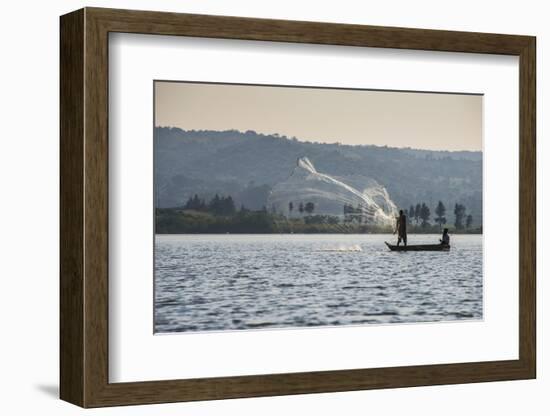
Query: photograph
291	207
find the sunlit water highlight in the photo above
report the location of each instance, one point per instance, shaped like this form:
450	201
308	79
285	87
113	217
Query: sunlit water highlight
232	282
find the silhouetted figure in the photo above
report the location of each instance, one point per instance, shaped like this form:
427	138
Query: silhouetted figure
401	228
445	239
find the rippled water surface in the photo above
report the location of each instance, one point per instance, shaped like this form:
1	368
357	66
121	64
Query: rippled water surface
230	282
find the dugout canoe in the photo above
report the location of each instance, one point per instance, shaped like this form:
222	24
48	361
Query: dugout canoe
419	247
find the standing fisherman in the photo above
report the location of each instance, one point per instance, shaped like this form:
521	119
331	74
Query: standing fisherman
401	228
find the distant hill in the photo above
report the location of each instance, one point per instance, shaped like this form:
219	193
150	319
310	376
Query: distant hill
248	165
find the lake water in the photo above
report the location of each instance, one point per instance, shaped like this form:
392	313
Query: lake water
233	282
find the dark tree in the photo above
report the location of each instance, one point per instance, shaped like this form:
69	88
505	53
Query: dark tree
469	221
460	213
310	207
359	214
215	204
195	203
290	208
410	215
228	206
417	213
218	205
440	214
424	214
201	205
348	211
188	203
301	208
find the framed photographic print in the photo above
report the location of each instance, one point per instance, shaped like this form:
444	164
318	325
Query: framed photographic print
255	207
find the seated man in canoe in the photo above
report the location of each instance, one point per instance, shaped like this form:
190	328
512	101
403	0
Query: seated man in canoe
401	228
445	239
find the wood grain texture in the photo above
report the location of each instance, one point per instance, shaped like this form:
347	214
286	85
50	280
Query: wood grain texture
527	208
225	27
71	185
84	207
96	208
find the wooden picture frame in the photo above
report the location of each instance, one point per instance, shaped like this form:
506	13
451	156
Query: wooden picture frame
84	207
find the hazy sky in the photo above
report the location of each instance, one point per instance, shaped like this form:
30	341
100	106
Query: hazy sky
396	119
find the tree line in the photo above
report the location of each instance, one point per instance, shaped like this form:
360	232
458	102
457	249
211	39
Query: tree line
308	207
352	213
225	205
421	214
218	205
220	214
